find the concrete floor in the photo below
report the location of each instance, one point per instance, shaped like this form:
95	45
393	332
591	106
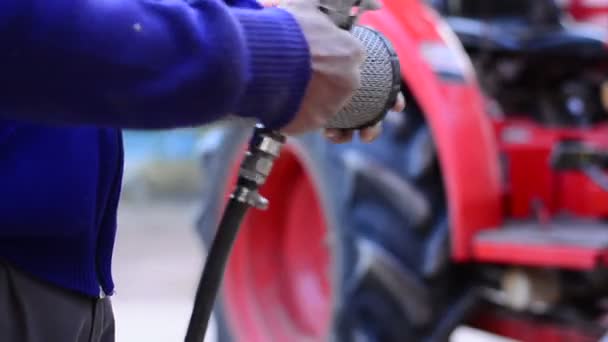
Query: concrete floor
156	267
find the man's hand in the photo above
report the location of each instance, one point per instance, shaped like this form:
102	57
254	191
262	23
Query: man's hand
336	57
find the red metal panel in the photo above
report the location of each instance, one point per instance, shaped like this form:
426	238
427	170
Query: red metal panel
571	244
527	147
568	257
579	195
589	11
527	329
529	177
455	112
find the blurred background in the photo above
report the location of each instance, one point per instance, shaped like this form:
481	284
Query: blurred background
483	205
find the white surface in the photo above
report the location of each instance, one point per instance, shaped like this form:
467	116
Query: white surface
156	267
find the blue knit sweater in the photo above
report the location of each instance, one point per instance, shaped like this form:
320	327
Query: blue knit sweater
75	72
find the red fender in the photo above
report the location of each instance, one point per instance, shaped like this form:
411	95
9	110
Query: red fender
461	128
588	11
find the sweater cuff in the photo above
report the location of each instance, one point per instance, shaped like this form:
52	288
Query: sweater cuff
279	66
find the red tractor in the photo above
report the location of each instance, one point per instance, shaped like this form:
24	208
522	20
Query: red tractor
484	203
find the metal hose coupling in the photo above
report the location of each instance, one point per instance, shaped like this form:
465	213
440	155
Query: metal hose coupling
264	147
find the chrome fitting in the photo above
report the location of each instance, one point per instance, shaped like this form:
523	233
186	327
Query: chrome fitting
264	148
250	197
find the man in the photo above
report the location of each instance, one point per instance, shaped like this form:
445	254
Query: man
74	72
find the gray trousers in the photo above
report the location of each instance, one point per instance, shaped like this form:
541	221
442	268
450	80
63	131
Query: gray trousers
34	311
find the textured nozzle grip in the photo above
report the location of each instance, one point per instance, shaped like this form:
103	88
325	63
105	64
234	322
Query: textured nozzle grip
380	83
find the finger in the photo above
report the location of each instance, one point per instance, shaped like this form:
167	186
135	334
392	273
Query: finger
399	103
369	134
339	136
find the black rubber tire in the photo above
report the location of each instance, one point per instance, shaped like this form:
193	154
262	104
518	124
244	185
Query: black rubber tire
398	211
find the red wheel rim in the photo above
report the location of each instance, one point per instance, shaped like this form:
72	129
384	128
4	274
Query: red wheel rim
277	285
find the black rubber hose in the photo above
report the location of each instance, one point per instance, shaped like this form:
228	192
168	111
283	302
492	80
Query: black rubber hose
213	273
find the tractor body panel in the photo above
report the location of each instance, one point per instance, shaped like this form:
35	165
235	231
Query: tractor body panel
534	187
545	208
553	213
439	76
573	245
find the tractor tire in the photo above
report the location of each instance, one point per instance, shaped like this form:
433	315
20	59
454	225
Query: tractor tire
403	285
387	233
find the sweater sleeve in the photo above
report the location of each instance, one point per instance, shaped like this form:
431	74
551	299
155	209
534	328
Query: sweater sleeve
149	63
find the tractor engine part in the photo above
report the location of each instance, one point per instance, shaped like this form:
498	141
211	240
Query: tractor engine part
542	67
575	155
536	86
530	289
